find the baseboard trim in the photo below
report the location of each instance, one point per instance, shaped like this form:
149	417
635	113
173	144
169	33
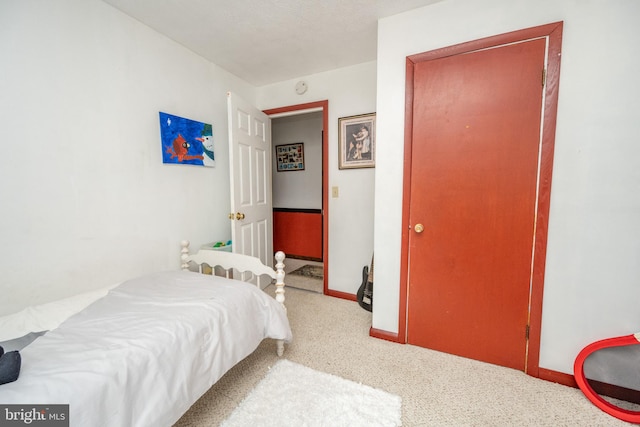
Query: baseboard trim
384	335
557	377
615	391
601	388
342	295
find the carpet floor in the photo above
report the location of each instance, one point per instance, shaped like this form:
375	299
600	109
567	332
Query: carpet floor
332	335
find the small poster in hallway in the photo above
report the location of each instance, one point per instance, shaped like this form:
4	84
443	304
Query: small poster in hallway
290	157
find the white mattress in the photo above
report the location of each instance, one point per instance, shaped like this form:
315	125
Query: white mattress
143	354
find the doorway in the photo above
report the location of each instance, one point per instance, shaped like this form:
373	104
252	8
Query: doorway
310	219
478	151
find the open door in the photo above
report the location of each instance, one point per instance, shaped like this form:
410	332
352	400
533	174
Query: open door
250	176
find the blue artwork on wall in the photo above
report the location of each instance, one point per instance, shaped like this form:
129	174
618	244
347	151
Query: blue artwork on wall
186	141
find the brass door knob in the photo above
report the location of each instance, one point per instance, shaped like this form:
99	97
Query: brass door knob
239	215
231	216
419	228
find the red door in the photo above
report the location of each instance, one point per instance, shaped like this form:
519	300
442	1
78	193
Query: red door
474	171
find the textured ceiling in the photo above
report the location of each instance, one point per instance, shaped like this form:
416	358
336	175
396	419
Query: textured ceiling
267	41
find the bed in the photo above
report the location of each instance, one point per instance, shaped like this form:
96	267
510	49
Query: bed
145	350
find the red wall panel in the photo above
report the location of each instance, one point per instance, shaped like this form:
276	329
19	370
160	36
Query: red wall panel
298	233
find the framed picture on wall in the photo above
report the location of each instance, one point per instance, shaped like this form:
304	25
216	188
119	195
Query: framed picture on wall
186	141
290	157
356	139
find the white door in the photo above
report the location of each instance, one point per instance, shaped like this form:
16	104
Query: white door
250	172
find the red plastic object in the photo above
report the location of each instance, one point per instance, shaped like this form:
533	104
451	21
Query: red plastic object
578	370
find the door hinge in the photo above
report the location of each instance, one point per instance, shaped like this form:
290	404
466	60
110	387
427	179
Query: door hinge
526	332
544	76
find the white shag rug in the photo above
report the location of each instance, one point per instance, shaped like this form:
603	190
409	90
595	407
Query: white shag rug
295	395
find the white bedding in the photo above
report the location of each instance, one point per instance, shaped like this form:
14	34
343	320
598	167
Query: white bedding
143	354
44	317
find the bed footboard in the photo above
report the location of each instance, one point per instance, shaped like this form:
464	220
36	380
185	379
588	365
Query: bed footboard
243	263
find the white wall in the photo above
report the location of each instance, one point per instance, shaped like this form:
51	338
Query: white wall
592	271
350	91
298	189
86	200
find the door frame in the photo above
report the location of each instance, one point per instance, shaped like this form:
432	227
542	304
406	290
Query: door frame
553	33
308	108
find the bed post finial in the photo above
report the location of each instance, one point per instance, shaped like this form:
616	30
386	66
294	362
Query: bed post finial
184	254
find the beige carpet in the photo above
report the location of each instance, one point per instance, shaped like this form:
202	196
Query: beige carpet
332	335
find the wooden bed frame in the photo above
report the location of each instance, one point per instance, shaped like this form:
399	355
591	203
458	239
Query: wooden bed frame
229	261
